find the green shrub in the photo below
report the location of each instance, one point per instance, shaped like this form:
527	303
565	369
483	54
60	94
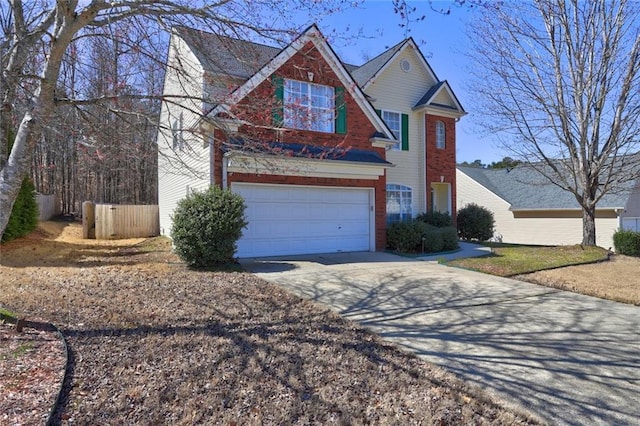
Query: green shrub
475	223
24	215
449	238
416	236
433	241
207	226
436	219
406	236
627	242
440	239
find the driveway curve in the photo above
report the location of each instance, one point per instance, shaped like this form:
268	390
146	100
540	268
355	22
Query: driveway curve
570	359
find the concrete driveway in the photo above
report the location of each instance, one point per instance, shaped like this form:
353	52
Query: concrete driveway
568	358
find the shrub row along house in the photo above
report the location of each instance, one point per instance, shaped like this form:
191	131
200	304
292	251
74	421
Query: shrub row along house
325	154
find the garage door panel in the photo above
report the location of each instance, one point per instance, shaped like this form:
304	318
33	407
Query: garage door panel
304	219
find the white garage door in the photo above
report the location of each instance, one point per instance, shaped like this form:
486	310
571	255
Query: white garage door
286	220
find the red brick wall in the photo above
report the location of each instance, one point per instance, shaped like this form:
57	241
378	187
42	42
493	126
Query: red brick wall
258	105
441	162
256	108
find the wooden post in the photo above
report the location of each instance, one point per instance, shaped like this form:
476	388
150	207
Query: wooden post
88	220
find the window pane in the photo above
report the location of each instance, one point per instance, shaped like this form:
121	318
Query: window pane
440	135
399	206
392	119
309	106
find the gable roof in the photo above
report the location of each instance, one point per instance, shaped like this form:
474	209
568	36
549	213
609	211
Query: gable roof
313	35
368	72
428	99
226	55
365	72
524	188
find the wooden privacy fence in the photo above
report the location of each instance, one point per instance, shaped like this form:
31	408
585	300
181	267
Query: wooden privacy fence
116	221
47	206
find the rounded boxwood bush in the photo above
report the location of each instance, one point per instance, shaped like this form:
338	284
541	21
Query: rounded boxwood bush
436	219
475	223
24	215
207	226
627	242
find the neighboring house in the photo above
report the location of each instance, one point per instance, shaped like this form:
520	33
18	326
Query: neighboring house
528	209
325	154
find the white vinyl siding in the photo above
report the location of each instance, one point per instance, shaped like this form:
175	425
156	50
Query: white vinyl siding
542	228
443	98
395	90
186	167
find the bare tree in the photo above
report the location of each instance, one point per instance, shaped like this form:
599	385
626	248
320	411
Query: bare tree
559	80
37	35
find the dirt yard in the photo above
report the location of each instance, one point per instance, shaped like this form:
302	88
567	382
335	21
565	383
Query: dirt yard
153	342
617	279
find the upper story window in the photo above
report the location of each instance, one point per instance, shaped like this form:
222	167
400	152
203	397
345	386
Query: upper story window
398	123
393	122
177	134
440	135
309	106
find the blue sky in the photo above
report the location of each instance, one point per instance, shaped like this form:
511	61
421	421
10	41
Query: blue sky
442	39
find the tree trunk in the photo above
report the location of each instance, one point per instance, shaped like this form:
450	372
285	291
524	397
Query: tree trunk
15	169
589	226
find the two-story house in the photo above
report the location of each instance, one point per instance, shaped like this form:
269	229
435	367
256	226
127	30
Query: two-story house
324	153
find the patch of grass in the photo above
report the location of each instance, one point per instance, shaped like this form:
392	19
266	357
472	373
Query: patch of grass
508	259
154	244
17	352
7	316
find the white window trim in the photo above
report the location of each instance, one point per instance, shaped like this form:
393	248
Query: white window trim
403	189
329	112
177	133
397	146
441	143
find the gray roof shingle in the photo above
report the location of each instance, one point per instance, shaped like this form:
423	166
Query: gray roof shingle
299	150
526	189
366	71
432	90
226	55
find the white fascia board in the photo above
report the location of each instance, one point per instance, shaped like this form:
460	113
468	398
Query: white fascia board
406	45
485	188
227	125
382	142
313	35
306	167
453	96
440	110
573	209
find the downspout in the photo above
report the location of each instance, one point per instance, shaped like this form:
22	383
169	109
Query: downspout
225	165
212	161
619	214
426	193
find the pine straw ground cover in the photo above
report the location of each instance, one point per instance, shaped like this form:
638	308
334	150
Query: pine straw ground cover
152	342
